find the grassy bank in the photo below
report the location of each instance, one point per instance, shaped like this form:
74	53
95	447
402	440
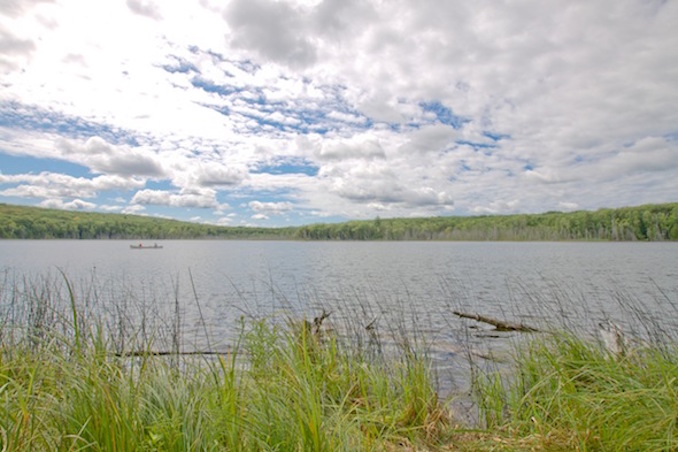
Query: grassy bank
297	391
297	385
572	394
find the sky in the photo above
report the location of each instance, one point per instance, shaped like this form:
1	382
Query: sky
290	112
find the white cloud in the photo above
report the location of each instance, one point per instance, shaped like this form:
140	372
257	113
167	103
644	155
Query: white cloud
275	30
270	208
144	8
102	157
361	147
57	186
13	50
219	175
134	209
76	204
410	107
204	199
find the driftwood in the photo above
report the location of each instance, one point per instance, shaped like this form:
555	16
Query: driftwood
500	325
141	353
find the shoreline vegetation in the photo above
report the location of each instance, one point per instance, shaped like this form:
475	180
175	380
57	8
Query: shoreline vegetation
651	222
69	381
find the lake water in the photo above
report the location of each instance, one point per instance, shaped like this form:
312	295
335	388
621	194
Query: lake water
401	286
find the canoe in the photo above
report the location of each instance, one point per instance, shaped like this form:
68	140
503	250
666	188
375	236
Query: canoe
145	247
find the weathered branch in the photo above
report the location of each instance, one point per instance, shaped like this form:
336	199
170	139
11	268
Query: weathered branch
140	353
500	325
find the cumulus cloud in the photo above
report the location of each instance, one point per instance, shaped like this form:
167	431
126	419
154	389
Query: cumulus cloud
274	30
264	209
342	19
14	8
76	204
203	199
13	50
219	175
57	186
361	147
144	8
342	108
103	157
379	184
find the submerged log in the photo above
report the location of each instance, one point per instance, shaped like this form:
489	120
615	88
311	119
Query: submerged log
143	353
500	325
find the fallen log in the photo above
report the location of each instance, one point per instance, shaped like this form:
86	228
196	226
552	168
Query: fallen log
142	353
499	325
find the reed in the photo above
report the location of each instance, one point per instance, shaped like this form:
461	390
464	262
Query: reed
68	381
284	385
568	393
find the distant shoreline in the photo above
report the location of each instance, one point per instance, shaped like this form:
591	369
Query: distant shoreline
650	222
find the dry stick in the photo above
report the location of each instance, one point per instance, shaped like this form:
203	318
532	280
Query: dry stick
168	353
500	325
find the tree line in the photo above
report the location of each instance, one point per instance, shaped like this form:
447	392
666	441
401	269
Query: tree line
652	222
22	222
649	222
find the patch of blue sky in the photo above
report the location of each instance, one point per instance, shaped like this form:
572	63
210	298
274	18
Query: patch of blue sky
13	164
321	120
115	198
211	87
265	126
334	113
222	109
180	65
246	66
25	117
170	212
476	146
444	114
285	165
20	201
302	121
496	136
163	185
528	167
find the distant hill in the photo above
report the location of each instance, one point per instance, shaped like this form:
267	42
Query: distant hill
653	222
23	222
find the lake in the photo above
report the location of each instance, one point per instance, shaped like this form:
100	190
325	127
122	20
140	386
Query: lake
402	287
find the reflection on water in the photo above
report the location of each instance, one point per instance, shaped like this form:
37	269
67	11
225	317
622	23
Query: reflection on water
397	287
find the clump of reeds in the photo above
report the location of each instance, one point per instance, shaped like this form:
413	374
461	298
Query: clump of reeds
74	376
570	392
282	386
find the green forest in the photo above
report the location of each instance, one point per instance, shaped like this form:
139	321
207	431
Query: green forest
652	222
22	222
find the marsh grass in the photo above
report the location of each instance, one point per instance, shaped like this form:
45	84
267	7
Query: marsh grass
288	383
282	386
569	393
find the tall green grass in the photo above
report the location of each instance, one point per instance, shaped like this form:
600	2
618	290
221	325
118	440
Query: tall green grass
68	383
283	386
568	393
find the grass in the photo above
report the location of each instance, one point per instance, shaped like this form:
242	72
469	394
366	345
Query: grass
283	386
571	394
297	385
